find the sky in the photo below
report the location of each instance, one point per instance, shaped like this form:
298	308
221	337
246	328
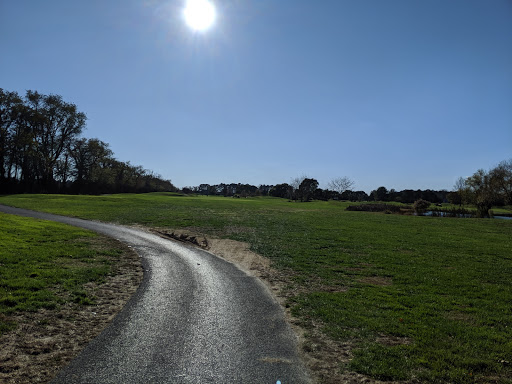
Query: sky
406	94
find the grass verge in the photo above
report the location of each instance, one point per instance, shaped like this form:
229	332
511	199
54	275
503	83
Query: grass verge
45	264
59	287
417	298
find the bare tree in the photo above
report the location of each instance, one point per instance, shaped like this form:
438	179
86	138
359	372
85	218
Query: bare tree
461	189
295	184
340	184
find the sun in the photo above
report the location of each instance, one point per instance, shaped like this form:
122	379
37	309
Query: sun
199	14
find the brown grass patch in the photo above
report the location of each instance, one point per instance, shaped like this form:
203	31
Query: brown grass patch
393	340
462	317
381	281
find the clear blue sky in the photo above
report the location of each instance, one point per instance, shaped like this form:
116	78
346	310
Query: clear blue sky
400	93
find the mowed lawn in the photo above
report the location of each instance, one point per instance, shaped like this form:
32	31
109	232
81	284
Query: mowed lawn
420	298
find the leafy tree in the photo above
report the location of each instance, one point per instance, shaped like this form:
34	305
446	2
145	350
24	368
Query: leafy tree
393	195
325	194
380	194
354	196
501	178
295	183
459	192
483	190
90	158
284	191
307	188
487	188
480	192
41	151
10	108
55	124
264	190
420	206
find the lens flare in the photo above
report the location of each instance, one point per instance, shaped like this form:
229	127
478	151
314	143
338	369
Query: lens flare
199	14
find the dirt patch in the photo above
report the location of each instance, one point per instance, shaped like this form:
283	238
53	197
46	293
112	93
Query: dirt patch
240	254
183	236
381	281
327	358
393	340
46	340
462	317
233	251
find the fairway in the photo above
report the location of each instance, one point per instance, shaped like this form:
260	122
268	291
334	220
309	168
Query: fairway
410	298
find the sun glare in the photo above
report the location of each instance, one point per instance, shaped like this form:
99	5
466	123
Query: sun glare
199	14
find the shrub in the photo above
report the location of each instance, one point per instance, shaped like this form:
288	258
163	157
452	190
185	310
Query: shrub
388	208
420	206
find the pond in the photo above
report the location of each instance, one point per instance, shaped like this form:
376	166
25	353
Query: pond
503	217
447	214
466	215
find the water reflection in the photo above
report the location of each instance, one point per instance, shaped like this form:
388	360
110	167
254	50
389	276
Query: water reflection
463	215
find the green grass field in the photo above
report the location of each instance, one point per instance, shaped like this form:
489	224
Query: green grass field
422	298
45	264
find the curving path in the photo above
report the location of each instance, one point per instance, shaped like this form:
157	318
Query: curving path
195	319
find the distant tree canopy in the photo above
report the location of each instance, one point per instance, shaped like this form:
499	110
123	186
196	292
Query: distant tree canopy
282	190
41	151
233	189
409	196
483	189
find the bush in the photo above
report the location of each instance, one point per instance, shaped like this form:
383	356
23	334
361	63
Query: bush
420	206
388	208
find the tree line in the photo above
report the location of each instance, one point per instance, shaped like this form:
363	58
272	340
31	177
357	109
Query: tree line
409	196
306	189
483	189
301	188
42	151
